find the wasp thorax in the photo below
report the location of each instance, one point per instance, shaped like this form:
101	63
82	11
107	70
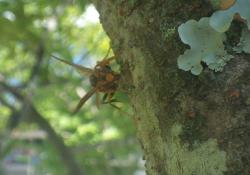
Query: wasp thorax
93	80
104	79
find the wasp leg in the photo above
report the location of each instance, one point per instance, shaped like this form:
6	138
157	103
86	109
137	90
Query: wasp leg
111	101
108	98
104	98
83	100
110	58
97	100
115	106
104	62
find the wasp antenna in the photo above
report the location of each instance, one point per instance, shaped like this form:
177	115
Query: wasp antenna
64	61
83	70
107	54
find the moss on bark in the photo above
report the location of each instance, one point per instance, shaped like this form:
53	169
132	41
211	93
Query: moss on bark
163	96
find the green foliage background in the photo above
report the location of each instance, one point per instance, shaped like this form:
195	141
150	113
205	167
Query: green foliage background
30	31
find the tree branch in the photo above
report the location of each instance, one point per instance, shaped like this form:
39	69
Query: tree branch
39	54
31	113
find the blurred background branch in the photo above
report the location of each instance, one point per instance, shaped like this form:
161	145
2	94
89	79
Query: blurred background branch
30	112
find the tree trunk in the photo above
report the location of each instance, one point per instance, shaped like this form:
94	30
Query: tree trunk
185	124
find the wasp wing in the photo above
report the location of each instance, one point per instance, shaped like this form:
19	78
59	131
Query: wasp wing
83	100
81	69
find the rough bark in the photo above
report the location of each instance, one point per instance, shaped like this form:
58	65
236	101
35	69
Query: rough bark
185	124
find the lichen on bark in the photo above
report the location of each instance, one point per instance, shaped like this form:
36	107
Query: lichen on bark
204	158
162	95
